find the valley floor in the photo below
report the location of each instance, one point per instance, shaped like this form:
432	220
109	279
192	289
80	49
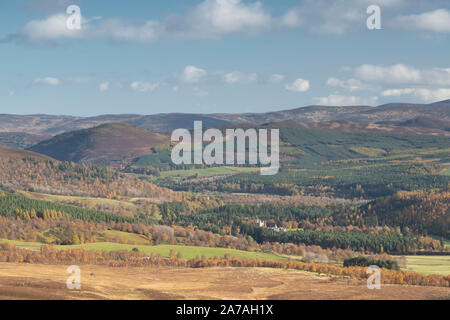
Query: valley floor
34	281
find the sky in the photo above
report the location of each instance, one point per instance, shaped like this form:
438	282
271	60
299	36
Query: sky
219	56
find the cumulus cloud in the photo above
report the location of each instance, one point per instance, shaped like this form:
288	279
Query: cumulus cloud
436	21
50	81
426	95
402	74
398	73
239	77
144	86
213	18
192	74
350	84
338	100
396	80
299	85
51	28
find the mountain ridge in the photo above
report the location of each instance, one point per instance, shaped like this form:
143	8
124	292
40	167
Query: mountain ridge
166	122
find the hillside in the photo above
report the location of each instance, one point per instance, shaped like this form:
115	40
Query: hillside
424	122
399	112
26	170
7	153
414	127
106	144
21	140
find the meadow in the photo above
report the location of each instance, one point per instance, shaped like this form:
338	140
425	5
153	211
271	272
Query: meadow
187	252
207	172
429	264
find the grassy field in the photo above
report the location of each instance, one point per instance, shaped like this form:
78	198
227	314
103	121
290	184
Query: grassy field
429	264
208	172
188	252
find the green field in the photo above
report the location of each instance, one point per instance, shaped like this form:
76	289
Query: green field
208	172
429	264
447	243
188	252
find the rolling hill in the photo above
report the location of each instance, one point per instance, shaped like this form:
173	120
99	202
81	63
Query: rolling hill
105	144
424	122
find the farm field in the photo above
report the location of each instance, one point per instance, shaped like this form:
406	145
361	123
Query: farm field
187	252
208	172
21	281
429	264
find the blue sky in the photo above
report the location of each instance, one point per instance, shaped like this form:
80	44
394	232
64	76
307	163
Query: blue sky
205	56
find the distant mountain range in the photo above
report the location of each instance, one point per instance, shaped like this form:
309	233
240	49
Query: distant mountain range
435	115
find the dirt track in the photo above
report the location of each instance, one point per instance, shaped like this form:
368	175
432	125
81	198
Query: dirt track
20	281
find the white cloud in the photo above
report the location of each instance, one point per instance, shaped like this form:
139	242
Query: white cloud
350	84
11	93
104	86
436	21
426	95
144	86
239	77
338	100
47	81
209	19
277	78
397	92
51	28
402	74
193	74
54	28
300	85
336	17
398	73
394	81
213	18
